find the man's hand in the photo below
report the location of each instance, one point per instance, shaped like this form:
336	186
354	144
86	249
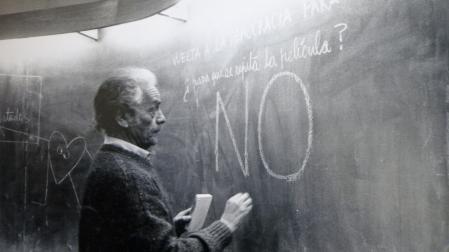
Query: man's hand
237	207
181	220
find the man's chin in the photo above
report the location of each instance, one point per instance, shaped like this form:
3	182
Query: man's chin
150	143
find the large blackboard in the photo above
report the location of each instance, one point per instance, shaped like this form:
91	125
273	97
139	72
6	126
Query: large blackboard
331	114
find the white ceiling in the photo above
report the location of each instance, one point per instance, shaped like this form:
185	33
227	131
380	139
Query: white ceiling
28	18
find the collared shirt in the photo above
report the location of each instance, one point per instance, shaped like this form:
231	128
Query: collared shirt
127	146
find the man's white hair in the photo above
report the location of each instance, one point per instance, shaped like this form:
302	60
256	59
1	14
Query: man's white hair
122	90
140	76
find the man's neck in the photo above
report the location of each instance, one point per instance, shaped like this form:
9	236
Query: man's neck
126	145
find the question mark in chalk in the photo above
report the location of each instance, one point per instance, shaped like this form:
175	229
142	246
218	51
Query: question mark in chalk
343	27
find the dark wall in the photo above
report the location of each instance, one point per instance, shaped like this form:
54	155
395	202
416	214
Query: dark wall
331	114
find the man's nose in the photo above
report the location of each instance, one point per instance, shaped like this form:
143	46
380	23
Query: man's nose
161	118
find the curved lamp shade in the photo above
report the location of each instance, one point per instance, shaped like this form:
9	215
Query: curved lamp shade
27	18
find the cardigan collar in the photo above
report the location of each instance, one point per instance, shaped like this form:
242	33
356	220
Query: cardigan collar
123	151
127	146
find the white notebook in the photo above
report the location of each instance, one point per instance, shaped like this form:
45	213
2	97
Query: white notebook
200	210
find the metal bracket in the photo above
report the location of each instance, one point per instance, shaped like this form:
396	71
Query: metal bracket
91	34
171	17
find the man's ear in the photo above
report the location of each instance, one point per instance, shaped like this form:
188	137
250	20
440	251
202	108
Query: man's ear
121	119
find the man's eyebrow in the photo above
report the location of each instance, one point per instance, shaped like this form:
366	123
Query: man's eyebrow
155	102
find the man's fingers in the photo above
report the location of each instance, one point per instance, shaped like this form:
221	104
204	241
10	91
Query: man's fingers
240	196
237	196
248	202
186	211
245	211
184	219
246	199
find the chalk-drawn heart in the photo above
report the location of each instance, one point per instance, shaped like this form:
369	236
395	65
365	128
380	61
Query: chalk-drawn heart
64	156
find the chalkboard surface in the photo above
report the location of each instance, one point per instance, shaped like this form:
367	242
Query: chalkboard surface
332	114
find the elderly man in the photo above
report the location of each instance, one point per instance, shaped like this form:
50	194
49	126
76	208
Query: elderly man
125	207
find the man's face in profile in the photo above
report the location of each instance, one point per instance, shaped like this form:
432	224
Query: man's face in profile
147	118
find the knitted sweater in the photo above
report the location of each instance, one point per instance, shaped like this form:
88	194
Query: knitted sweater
125	209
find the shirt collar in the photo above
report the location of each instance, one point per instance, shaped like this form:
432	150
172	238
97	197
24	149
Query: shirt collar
127	146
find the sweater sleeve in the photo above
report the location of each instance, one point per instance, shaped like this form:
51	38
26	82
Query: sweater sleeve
154	229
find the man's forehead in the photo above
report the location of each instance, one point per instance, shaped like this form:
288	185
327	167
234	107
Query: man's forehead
152	92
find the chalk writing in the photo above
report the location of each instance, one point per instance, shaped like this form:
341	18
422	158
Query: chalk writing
224	73
243	163
270	59
62	160
20	108
296	49
314	7
14	115
220	106
248	64
193	85
218	42
296	175
60	152
32	139
258	27
300	48
219	37
64	156
341	28
199	80
183	57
